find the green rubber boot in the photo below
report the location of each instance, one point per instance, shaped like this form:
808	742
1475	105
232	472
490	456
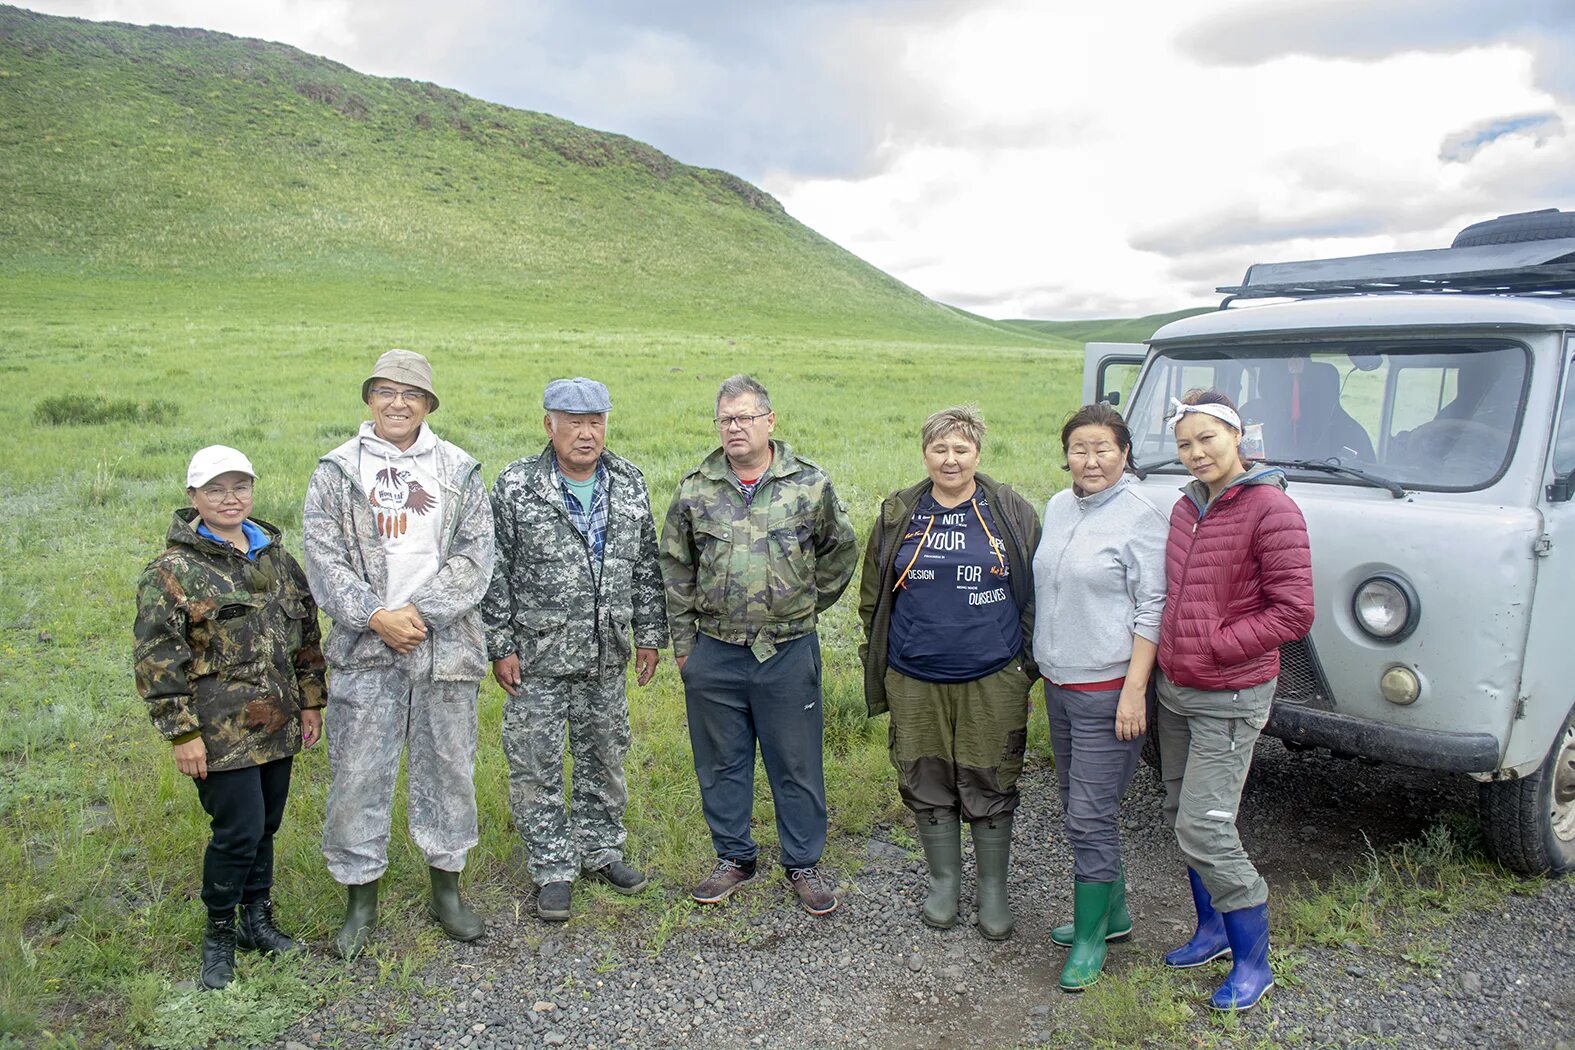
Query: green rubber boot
1091	921
360	920
1119	927
457	920
992	854
942	844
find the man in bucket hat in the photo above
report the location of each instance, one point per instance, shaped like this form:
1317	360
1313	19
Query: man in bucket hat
577	590
398	538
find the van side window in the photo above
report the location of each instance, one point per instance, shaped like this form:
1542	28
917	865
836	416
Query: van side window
1564	443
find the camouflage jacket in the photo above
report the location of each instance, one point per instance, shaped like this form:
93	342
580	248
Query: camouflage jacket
227	647
549	602
757	573
349	571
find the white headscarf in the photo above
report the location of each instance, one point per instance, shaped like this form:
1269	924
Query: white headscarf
1223	413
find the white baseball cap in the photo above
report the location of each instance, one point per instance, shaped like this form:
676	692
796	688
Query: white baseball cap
214	460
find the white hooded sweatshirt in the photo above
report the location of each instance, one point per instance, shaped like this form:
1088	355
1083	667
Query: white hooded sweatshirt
403	487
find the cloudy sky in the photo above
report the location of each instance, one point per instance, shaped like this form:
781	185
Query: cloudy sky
1023	158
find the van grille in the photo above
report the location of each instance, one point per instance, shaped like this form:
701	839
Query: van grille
1301	677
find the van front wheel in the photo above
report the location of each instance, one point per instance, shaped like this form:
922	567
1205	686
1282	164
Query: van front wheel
1530	823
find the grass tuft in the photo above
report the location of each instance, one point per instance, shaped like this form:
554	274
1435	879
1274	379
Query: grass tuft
95	410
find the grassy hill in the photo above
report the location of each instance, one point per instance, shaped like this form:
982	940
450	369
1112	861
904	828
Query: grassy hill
248	174
1112	330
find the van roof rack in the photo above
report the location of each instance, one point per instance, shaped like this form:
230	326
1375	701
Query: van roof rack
1544	268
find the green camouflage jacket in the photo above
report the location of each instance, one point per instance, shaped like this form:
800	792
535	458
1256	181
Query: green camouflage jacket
348	569
227	647
759	573
549	602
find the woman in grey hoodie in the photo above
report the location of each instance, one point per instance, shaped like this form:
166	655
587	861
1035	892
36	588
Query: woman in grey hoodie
1099	582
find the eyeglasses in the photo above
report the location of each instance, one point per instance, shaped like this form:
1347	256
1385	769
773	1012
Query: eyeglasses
1101	453
219	495
729	422
388	394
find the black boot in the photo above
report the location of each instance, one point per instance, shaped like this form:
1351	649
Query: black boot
218	951
360	920
257	933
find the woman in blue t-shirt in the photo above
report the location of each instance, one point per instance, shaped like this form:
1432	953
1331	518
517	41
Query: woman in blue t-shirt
947	601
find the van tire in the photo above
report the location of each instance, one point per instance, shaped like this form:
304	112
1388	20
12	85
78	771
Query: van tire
1513	229
1518	819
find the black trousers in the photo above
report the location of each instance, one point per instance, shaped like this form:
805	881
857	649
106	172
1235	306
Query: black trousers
246	807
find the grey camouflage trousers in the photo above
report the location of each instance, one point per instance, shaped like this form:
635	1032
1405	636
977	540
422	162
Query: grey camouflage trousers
372	716
595	713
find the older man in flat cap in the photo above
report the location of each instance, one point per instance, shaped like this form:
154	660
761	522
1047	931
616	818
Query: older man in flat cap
399	547
576	591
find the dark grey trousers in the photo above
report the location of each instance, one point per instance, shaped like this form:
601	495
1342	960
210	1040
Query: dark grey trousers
1093	769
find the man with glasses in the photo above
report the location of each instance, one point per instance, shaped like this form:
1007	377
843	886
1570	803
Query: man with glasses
756	545
399	547
577	590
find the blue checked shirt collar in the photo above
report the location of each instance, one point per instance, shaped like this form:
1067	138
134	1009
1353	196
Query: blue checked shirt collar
593	526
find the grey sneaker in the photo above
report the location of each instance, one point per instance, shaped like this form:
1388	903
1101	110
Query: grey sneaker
727	876
552	901
815	888
621	877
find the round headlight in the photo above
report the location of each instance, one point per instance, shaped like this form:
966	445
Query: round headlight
1386	608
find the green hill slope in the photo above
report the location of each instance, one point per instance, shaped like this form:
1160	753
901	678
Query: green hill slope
258	174
1113	330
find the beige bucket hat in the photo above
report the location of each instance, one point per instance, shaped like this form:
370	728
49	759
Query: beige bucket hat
402	366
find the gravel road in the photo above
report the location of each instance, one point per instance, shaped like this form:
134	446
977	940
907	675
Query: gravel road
763	973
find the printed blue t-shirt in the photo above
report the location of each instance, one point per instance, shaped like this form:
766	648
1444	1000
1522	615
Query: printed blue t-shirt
953	618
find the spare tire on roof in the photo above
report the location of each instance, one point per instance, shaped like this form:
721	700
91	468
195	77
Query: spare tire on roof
1541	225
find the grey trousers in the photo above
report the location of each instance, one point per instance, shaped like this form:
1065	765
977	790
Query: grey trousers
1204	759
1093	769
595	713
372	716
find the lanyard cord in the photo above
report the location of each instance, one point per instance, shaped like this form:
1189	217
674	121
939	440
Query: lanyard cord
995	548
902	577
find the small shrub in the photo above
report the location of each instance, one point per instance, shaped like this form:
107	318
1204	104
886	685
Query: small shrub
93	409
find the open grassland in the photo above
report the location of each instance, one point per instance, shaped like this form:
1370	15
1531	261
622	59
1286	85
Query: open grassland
102	840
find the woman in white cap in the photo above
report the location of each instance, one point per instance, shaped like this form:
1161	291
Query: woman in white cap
227	658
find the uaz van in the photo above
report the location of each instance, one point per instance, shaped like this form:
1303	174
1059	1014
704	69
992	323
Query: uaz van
1423	405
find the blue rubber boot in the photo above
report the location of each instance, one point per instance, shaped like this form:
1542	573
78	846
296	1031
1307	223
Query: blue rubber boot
1208	941
1250	976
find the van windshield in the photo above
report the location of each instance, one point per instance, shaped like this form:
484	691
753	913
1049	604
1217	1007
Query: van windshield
1429	416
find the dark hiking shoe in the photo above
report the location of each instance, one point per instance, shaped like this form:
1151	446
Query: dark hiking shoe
621	877
727	876
552	901
815	889
257	932
218	951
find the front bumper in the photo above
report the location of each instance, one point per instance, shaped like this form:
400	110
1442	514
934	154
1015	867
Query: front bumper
1421	748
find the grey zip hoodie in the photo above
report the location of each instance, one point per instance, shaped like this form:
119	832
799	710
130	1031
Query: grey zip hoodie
1099	579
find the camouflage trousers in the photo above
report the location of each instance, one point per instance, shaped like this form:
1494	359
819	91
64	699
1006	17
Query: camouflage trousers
595	713
372	717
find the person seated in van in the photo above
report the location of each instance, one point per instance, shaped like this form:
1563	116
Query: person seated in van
1099	588
1469	434
1298	405
228	658
1239	585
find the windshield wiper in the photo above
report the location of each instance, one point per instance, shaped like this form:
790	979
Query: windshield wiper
1394	488
1142	469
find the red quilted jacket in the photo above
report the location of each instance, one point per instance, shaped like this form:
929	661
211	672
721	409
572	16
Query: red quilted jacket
1239	583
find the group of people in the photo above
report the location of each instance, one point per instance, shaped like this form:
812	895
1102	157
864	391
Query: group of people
559	580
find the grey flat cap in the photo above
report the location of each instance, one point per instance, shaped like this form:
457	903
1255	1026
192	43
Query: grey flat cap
579	396
402	366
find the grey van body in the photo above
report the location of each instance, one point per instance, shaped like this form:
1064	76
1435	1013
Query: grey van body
1430	441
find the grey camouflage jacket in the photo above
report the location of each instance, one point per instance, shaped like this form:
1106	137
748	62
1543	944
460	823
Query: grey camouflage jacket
756	572
549	602
348	570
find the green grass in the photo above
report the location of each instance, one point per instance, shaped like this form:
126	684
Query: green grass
1110	330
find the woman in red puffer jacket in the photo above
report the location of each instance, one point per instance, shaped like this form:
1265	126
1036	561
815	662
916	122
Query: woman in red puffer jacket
1239	585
